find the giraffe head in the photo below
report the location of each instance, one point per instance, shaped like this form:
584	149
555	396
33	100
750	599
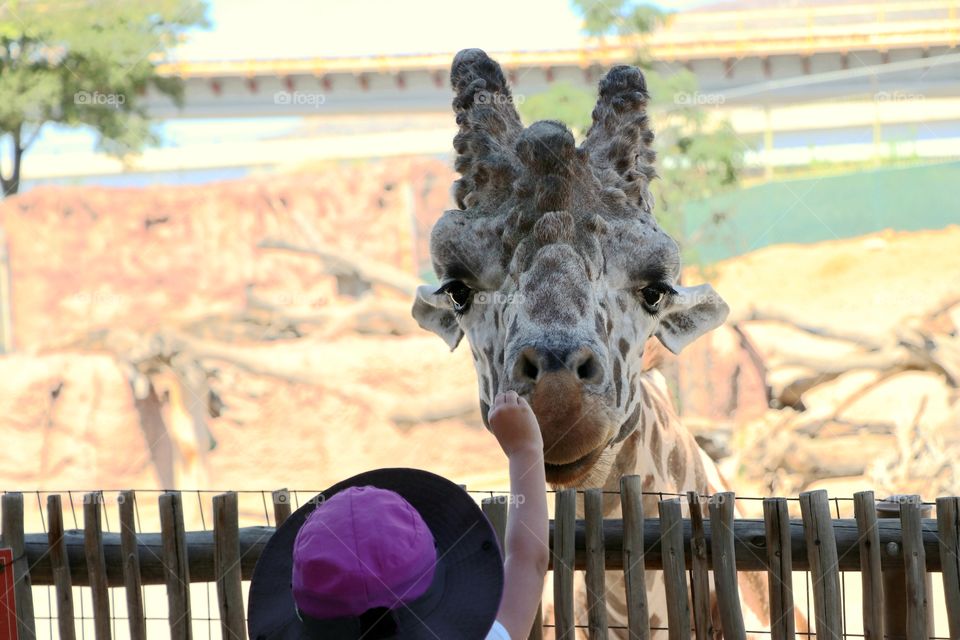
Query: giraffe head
553	265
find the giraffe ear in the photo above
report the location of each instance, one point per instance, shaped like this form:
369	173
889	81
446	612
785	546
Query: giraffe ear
433	312
692	312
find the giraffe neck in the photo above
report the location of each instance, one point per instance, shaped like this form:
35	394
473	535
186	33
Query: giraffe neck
660	450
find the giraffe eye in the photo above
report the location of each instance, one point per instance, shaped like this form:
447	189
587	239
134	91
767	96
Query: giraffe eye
653	296
460	295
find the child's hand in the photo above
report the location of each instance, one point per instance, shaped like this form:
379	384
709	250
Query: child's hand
513	423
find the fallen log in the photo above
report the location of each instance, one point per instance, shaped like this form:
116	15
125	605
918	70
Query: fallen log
815	458
341	264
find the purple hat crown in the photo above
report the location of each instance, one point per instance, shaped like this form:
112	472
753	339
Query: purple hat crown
364	548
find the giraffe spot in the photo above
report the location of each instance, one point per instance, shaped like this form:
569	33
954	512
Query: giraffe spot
648	402
630	424
648	482
601	331
622	303
624	347
661	414
655	446
617	379
675	464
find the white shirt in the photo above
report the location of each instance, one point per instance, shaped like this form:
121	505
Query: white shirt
497	632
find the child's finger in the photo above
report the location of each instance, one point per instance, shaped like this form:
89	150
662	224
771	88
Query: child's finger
511	397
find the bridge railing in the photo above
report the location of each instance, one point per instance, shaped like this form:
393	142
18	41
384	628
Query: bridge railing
102	580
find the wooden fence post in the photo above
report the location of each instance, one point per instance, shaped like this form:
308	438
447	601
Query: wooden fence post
130	552
96	564
722	507
175	565
948	528
595	578
631	503
674	570
281	506
895	596
915	570
699	570
13	537
60	564
495	508
824	564
776	519
226	545
871	574
564	556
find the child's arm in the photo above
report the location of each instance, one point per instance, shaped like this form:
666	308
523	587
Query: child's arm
526	549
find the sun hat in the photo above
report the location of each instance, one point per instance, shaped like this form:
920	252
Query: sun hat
390	553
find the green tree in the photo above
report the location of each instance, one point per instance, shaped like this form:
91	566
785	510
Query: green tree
698	156
562	101
85	63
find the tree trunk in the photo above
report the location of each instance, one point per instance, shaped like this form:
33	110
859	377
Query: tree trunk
10	186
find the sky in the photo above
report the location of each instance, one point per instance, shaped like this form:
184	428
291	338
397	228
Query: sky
258	29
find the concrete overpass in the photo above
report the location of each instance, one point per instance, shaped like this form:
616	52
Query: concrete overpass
840	81
725	48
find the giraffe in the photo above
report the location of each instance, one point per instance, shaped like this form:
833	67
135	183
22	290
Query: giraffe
556	271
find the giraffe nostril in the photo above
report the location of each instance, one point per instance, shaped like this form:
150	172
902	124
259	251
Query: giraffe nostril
585	370
526	367
588	367
530	370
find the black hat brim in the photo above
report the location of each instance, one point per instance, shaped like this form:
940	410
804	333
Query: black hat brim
467	551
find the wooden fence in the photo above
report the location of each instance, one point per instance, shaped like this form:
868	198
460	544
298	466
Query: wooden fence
891	544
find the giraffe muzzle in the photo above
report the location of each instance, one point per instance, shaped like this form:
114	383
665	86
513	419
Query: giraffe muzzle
566	396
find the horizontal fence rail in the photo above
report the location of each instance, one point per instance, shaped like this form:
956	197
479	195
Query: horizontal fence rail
749	546
894	545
